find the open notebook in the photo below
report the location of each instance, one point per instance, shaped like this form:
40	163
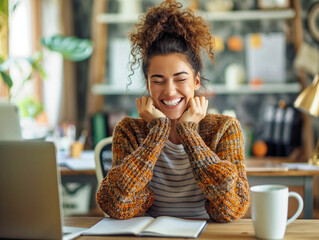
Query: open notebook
147	226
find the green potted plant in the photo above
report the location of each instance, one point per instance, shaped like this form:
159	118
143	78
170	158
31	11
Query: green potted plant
71	48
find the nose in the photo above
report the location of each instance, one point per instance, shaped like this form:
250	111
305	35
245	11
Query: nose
170	88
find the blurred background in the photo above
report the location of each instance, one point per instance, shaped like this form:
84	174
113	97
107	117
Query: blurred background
64	64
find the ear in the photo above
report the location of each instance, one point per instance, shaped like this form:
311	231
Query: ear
197	81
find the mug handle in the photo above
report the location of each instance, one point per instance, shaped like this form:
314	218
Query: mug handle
300	206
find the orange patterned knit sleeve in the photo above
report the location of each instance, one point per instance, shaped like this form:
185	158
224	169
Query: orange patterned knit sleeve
219	169
124	192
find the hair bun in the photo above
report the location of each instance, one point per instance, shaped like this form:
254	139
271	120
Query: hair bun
169	17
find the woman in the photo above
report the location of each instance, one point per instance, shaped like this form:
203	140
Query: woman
175	160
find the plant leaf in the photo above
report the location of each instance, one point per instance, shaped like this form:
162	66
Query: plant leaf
71	48
5	64
7	79
29	107
36	63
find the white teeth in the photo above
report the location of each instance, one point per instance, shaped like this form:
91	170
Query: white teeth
172	102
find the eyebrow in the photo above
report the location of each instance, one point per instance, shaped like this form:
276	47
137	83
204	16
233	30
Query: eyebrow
175	74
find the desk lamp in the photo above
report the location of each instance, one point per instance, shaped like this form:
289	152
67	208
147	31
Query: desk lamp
308	101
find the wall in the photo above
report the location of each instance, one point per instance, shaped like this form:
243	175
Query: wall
248	107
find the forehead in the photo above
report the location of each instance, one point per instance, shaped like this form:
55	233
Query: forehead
169	64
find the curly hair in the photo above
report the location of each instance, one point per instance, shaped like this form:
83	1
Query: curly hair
168	28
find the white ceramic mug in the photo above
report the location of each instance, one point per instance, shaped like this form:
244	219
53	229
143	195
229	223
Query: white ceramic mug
269	210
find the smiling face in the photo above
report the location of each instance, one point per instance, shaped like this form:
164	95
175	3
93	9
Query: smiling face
171	83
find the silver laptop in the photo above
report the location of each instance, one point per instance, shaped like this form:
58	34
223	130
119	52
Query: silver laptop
29	187
9	122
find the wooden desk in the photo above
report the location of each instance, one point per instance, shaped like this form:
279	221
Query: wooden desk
86	176
241	229
67	173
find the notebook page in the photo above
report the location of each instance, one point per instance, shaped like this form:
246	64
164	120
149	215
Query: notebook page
111	226
174	227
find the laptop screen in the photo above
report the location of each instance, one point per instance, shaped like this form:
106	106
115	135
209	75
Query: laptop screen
29	203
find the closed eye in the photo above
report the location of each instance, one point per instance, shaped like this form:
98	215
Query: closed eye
157	82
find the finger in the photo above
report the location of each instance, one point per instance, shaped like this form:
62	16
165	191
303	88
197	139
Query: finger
138	102
139	106
149	103
206	104
198	101
191	103
196	109
203	102
144	100
203	105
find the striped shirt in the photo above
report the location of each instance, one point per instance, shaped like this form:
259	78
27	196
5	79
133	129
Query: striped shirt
176	192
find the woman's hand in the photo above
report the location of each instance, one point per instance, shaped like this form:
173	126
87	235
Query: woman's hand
196	111
147	110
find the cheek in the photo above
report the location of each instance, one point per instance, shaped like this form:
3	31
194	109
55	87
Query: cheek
189	90
154	93
151	91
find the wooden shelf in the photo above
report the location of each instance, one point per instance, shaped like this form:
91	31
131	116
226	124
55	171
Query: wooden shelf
269	88
252	15
106	89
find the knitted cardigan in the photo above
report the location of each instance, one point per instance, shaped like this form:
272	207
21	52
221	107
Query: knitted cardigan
216	154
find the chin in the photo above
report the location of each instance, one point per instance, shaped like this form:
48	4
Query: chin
173	116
